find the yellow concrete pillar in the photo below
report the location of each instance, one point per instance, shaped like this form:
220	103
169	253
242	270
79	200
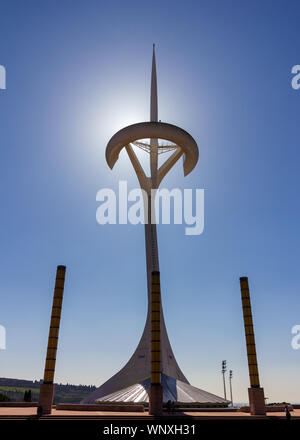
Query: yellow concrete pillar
256	393
47	387
155	392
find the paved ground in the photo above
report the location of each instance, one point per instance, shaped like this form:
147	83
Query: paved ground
22	413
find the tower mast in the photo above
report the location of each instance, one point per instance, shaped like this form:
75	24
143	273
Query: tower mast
153	118
153	98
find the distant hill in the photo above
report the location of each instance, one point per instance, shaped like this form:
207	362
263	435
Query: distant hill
15	388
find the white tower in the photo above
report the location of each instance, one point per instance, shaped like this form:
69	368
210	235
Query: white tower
131	383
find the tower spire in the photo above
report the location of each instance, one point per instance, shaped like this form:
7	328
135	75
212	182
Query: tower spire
153	99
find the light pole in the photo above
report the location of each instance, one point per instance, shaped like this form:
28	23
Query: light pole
224	368
230	378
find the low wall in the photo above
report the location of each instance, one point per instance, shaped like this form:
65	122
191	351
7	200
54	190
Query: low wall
19	404
203	409
100	407
275	408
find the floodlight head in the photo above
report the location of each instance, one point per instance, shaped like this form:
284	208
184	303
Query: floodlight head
154	130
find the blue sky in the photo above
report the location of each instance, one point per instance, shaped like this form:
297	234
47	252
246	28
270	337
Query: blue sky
77	71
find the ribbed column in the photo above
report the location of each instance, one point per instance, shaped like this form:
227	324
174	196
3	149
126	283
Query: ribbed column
155	329
256	394
47	388
249	333
155	394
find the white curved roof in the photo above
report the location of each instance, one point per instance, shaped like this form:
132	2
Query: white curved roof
173	389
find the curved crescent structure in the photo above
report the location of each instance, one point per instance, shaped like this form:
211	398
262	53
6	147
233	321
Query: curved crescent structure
154	130
131	383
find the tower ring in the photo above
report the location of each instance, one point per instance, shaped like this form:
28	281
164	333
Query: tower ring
154	130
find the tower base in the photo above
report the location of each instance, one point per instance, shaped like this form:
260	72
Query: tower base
257	401
46	398
172	389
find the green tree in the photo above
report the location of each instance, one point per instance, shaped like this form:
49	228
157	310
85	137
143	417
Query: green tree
4	398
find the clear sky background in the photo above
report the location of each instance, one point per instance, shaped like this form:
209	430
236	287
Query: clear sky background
78	71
